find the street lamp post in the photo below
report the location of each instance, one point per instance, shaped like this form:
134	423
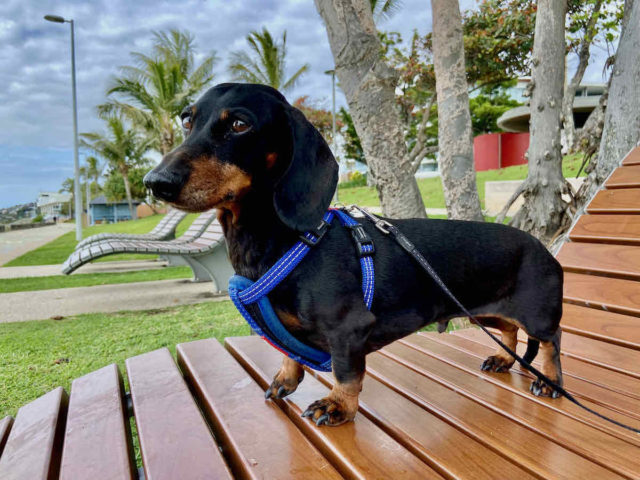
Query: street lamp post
76	162
333	119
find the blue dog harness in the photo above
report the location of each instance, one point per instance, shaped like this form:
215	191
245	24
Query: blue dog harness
251	300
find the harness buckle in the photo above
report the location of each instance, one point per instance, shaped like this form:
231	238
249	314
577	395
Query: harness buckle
364	243
316	234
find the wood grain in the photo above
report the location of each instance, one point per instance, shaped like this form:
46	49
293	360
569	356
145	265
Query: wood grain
624	177
175	441
611	294
250	435
621	261
35	442
357	449
97	441
622	200
623	330
617	229
632	158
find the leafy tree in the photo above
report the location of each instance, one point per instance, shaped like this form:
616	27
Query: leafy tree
352	146
488	106
114	186
123	148
319	117
265	63
385	9
152	93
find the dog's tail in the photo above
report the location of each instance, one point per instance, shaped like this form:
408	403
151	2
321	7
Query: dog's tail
532	350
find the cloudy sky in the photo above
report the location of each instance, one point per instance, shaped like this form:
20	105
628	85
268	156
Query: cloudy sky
36	135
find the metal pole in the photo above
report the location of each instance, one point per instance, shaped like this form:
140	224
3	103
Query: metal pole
76	161
87	193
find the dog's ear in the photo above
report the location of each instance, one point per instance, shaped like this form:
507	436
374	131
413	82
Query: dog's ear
304	192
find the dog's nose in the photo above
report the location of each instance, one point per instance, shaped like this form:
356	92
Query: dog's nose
162	186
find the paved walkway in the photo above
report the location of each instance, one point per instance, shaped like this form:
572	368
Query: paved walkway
43	304
97	267
16	242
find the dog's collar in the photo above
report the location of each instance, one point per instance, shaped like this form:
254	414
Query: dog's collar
250	298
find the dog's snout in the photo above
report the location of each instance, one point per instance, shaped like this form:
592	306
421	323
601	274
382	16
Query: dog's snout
162	185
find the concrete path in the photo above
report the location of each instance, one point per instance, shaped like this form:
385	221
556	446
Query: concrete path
16	242
43	304
99	267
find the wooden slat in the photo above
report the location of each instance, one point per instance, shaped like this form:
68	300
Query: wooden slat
611	294
516	382
5	428
620	229
623	330
576	368
97	439
624	177
515	441
633	158
501	414
624	200
259	439
619	359
622	261
358	449
175	441
35	442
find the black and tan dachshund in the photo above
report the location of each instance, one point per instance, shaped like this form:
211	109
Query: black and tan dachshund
271	175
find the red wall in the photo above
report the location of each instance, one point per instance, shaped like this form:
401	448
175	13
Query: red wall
499	150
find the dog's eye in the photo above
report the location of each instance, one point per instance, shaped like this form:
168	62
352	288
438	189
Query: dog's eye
186	122
239	126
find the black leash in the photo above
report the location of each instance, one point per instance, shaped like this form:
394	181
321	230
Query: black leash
389	229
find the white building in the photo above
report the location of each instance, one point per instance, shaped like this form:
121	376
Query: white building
51	204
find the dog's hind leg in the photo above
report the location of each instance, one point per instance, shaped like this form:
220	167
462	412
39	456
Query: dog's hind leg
501	361
551	367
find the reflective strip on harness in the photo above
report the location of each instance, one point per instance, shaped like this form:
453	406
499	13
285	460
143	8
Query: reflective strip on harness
250	298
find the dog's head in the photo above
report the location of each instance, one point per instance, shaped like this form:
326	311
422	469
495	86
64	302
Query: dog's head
242	137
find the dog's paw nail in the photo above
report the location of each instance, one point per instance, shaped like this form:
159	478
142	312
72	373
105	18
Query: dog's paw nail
282	392
485	366
555	394
322	420
307	413
267	394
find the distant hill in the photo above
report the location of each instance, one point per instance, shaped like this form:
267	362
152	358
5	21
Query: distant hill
17	212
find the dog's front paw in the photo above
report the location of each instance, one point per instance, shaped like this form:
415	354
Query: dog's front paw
497	363
541	389
286	380
331	412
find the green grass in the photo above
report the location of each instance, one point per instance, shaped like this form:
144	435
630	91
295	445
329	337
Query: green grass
431	188
27	284
57	251
37	356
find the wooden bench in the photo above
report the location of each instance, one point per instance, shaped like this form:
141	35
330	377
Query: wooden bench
164	230
202	247
426	410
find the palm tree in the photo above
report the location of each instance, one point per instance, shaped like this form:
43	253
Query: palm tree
153	93
123	148
385	9
266	64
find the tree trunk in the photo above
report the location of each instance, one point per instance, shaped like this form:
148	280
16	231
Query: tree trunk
127	188
572	86
455	137
369	86
544	211
622	117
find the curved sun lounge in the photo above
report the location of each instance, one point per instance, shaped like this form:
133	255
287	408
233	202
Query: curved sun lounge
202	247
165	230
